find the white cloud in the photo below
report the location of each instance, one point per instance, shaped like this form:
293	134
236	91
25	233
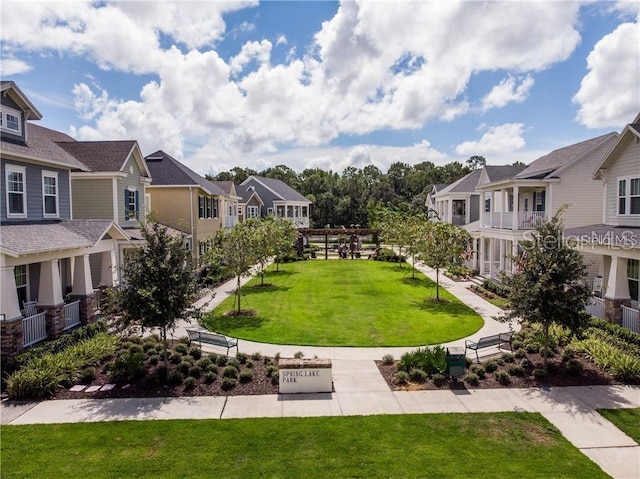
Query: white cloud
13	66
498	139
509	90
281	40
260	51
609	94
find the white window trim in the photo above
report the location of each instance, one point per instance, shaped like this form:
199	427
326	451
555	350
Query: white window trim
269	211
627	196
23	171
253	211
50	174
7	110
134	216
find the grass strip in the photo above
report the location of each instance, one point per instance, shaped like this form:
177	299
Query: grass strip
627	420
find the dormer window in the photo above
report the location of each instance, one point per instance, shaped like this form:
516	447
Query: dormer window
11	121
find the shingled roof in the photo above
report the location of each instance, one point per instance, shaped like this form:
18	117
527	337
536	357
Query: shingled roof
547	165
167	171
26	238
41	145
466	184
503	172
280	188
100	156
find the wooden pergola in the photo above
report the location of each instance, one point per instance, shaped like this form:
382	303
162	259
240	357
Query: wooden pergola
351	233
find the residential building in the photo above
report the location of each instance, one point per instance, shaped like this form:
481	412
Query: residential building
430	201
276	198
615	237
45	270
512	207
459	203
230	203
182	199
250	205
112	188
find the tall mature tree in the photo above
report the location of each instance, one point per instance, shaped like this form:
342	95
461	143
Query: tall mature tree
476	161
548	286
443	245
160	284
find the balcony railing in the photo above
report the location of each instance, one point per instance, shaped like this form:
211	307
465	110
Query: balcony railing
71	314
34	329
526	219
631	319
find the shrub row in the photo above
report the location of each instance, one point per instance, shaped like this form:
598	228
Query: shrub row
618	362
495	287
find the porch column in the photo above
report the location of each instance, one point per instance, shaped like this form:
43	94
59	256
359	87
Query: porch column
82	284
9	303
50	287
109	273
492	248
449	218
502	254
502	208
617	290
516	202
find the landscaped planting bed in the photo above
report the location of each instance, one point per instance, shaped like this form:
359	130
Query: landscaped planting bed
605	354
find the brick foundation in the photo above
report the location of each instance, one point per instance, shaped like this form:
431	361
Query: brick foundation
11	337
54	316
87	308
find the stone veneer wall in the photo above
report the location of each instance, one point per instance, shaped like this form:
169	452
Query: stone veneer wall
613	309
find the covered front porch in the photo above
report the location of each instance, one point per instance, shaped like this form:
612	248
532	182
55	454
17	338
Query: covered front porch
496	256
297	213
514	207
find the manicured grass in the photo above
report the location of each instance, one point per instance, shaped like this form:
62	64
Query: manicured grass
346	303
627	420
498	445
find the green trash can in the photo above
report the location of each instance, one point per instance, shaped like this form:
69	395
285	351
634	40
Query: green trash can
456	363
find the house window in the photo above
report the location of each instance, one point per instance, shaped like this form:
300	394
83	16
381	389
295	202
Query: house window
209	208
510	202
201	207
270	211
633	274
239	210
538	200
16	195
304	211
487	205
252	211
130	205
629	196
525	204
201	248
50	193
20	274
230	209
215	207
11	121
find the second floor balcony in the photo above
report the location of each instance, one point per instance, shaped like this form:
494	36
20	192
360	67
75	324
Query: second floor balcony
514	208
519	220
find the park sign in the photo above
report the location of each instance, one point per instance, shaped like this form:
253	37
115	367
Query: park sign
311	375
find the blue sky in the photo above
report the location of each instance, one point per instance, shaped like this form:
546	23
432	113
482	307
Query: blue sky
328	84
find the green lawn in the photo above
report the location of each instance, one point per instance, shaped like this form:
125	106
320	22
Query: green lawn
498	445
346	303
627	420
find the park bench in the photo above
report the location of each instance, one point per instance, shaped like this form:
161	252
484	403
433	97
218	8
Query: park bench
488	341
212	338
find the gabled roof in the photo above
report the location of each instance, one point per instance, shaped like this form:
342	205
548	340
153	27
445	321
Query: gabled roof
502	172
167	171
439	186
247	192
466	184
226	186
8	87
629	133
41	237
102	156
277	187
548	165
42	145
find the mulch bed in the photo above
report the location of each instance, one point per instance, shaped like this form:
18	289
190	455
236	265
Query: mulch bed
591	375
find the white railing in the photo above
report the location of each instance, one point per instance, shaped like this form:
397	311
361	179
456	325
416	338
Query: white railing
495	271
34	329
595	307
71	314
528	220
631	319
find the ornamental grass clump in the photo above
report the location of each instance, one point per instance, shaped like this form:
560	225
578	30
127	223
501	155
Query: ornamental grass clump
431	359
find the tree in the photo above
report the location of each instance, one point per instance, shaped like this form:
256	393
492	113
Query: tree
474	162
443	245
235	250
160	283
282	235
518	163
548	285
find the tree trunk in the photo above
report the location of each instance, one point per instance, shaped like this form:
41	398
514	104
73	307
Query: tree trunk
164	344
545	353
238	293
438	285
262	276
277	266
413	272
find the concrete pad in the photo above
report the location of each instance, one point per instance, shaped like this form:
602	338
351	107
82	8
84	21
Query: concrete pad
77	388
348	383
553	400
588	429
199	407
107	387
91	410
367	403
618	462
493	400
308	405
609	397
11	410
426	402
92	389
354	366
252	406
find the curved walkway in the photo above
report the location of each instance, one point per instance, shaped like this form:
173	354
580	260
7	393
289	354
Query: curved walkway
459	289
